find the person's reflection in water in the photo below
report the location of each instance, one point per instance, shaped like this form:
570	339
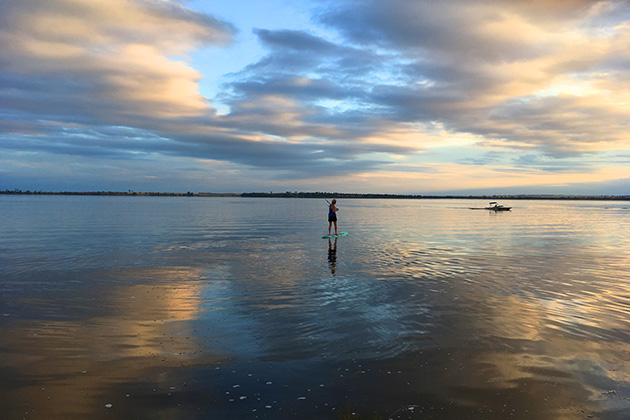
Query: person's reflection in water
332	255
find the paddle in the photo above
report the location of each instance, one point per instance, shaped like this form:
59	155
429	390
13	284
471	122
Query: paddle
330	204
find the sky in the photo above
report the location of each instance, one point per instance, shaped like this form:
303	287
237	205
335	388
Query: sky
367	96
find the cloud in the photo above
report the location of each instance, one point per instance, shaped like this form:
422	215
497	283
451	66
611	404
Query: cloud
515	75
298	41
110	61
379	88
475	63
113	67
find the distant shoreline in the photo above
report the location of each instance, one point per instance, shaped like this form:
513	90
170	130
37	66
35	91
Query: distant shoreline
323	195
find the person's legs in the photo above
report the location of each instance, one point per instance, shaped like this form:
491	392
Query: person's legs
329	226
335	222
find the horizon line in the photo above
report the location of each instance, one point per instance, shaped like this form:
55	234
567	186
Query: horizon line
319	194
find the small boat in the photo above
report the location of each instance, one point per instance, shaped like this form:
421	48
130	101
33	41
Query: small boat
497	207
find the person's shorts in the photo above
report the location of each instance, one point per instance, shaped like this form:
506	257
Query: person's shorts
332	218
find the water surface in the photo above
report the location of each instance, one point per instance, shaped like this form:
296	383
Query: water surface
235	308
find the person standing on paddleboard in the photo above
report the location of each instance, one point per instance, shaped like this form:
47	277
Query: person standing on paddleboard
332	216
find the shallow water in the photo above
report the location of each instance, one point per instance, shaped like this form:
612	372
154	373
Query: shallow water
160	307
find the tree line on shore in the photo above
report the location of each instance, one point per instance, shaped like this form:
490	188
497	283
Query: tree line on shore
320	195
117	193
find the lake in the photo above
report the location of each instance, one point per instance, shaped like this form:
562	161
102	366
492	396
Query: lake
236	308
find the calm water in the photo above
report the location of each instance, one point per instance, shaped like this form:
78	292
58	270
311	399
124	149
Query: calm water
234	308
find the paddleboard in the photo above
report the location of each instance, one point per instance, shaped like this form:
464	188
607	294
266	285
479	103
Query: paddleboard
335	236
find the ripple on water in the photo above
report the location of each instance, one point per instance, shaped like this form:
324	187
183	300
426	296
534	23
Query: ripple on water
457	309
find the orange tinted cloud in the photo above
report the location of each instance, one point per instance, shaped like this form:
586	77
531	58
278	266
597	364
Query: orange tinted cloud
118	52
